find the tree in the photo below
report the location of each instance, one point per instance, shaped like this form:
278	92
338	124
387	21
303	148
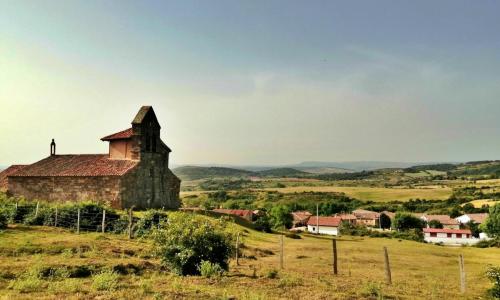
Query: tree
280	216
406	221
435	224
473	227
188	239
385	221
492	224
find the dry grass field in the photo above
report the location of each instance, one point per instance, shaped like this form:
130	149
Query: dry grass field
420	271
377	194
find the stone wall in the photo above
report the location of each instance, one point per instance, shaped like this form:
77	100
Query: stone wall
151	184
104	189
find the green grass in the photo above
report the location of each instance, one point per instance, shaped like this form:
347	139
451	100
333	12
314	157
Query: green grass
420	271
378	194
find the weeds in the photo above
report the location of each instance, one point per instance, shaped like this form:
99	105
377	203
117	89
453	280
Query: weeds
105	281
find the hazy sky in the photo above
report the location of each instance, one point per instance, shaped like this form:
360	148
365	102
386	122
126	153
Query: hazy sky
254	82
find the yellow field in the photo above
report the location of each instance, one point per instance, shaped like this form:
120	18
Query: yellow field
419	271
479	203
374	193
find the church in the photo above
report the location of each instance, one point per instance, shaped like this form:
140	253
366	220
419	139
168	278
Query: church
134	173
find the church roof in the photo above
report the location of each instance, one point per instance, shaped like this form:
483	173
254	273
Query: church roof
77	165
124	134
7	172
141	114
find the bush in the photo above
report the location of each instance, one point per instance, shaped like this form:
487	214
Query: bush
493	273
105	281
263	224
272	274
187	239
435	224
492	224
4	218
152	218
406	221
209	270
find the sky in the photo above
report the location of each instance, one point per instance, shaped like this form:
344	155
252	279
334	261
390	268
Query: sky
254	82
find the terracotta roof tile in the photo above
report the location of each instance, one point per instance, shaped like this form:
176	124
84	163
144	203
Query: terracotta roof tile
478	218
324	221
124	134
301	216
77	165
365	214
237	212
443	219
7	172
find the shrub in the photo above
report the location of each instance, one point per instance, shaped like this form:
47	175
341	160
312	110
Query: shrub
406	221
105	281
150	219
209	270
371	289
435	224
290	281
4	218
187	239
280	216
492	224
263	224
493	273
272	274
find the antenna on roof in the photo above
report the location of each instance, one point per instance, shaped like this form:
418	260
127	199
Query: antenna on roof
53	148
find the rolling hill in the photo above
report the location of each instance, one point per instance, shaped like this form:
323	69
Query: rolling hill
196	172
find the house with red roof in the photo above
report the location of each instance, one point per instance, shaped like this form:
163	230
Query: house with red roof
134	172
324	225
242	213
449	236
445	220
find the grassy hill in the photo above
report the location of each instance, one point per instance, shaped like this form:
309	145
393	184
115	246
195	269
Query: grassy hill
419	271
194	172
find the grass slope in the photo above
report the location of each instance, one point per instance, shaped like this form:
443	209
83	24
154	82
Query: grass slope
194	173
420	271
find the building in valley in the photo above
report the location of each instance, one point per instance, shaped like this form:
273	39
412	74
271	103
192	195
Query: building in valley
324	225
134	173
446	220
449	236
479	218
367	217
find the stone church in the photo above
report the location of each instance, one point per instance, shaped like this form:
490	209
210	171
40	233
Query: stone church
135	171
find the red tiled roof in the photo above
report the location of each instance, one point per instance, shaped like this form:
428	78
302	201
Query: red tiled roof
124	134
478	218
324	221
443	219
77	165
366	214
300	216
7	172
446	230
347	216
237	212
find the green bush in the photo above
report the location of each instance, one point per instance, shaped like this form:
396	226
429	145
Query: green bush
492	224
209	270
263	224
105	281
272	274
4	218
406	221
151	219
493	273
187	239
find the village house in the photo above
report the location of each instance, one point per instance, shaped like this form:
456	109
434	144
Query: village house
348	218
324	225
447	222
300	218
367	217
477	218
242	213
449	236
134	172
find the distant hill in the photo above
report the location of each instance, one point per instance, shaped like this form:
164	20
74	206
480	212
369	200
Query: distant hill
357	166
282	172
194	172
478	168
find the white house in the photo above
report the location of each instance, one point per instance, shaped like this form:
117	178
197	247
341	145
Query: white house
324	225
449	236
477	218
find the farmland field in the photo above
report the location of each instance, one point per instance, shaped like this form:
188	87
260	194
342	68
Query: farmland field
375	193
419	270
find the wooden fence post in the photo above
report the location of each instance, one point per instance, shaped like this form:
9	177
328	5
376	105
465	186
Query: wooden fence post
462	273
334	249
281	251
237	248
36	210
78	222
130	223
103	220
55	219
388	277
